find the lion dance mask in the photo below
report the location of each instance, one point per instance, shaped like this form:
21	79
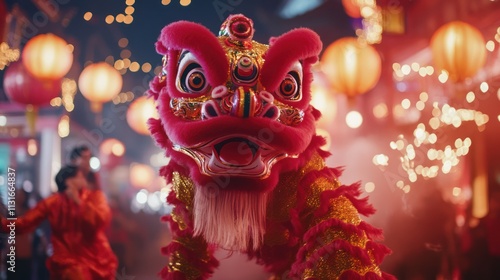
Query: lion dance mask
245	165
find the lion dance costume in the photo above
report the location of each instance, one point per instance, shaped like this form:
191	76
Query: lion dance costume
246	168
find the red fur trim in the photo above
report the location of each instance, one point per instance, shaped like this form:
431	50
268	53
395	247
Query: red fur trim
350	192
154	87
160	48
328	224
325	198
286	50
316	113
320	142
372	232
158	134
175	230
362	205
297	226
307	181
201	42
337	171
168	170
165	171
298	265
387	276
352	275
313	236
379	251
292	164
165	218
276	259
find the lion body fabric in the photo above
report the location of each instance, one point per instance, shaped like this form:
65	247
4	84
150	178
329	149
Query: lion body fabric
246	167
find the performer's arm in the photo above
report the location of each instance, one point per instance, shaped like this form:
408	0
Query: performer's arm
31	219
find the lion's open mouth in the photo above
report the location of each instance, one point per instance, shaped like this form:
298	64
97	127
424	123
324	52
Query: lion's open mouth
236	155
236	151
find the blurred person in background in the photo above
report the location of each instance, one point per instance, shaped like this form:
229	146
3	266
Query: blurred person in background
80	157
78	218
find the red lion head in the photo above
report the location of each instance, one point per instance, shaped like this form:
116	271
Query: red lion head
234	111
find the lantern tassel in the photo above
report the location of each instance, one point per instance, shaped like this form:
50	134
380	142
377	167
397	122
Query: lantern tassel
31	115
351	102
96	108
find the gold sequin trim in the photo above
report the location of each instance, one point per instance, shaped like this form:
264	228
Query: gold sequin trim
342	209
319	186
332	234
284	196
332	266
178	263
195	244
178	219
184	189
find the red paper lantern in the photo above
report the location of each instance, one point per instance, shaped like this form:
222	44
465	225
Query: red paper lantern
139	112
99	83
47	56
352	68
458	48
22	87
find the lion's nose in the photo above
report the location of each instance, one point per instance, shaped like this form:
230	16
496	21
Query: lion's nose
244	103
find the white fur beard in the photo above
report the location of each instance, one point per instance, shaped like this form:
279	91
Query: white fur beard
233	220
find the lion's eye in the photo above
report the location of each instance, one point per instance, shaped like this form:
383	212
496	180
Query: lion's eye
191	77
290	87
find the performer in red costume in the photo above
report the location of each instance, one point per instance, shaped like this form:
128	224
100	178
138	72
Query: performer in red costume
246	166
77	218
